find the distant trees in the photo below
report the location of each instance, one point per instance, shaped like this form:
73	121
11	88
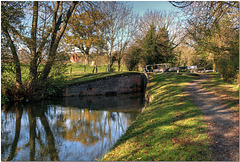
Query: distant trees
213	31
157	46
119	30
153	40
133	57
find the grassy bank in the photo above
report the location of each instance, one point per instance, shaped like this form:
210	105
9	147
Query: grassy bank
226	91
170	128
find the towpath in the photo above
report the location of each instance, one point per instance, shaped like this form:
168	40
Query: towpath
223	126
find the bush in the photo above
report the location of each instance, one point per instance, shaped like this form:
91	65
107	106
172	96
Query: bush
55	87
132	58
227	65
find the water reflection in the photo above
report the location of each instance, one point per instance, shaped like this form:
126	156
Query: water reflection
73	129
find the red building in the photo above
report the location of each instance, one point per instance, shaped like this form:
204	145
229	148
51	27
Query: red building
74	58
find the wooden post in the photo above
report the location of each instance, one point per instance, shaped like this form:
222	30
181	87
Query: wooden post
85	67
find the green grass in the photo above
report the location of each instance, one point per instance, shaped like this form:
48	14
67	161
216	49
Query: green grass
226	91
78	68
170	128
75	73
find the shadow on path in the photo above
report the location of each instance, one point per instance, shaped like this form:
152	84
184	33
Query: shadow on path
222	126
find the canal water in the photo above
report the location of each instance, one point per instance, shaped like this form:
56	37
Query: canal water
68	129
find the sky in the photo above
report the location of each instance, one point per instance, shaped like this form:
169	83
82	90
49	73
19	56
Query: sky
141	7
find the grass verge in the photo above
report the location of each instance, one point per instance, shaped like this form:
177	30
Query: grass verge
226	91
76	68
170	128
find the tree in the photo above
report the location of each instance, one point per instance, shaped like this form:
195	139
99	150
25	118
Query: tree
157	47
12	14
213	28
41	35
125	36
150	46
156	36
132	57
165	47
162	19
84	30
118	29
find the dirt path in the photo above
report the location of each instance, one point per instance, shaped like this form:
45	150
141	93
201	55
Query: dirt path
222	124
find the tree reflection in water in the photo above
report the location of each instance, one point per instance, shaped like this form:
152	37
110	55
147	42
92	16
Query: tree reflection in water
51	132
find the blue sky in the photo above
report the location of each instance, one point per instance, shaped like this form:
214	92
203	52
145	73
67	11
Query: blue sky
142	6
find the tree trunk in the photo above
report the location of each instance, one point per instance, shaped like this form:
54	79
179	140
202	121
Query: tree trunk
33	44
86	61
119	64
109	61
49	63
57	33
15	57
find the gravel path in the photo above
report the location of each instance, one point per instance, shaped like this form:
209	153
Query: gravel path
222	124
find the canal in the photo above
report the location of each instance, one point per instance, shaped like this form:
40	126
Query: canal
67	129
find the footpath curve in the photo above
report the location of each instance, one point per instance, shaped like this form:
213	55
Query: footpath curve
223	127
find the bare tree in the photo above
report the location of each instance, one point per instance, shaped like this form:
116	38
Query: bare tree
117	31
36	43
126	32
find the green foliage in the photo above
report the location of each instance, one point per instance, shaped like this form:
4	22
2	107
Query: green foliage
165	46
170	128
4	99
150	47
227	62
157	47
60	65
213	33
132	58
55	87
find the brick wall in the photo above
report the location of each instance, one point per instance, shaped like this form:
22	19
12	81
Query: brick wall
111	86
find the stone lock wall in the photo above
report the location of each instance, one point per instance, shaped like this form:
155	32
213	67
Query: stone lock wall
110	86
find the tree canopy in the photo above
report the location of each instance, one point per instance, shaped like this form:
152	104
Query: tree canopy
212	29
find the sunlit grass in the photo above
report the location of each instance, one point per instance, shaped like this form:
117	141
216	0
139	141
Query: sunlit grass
170	128
79	68
228	92
75	73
